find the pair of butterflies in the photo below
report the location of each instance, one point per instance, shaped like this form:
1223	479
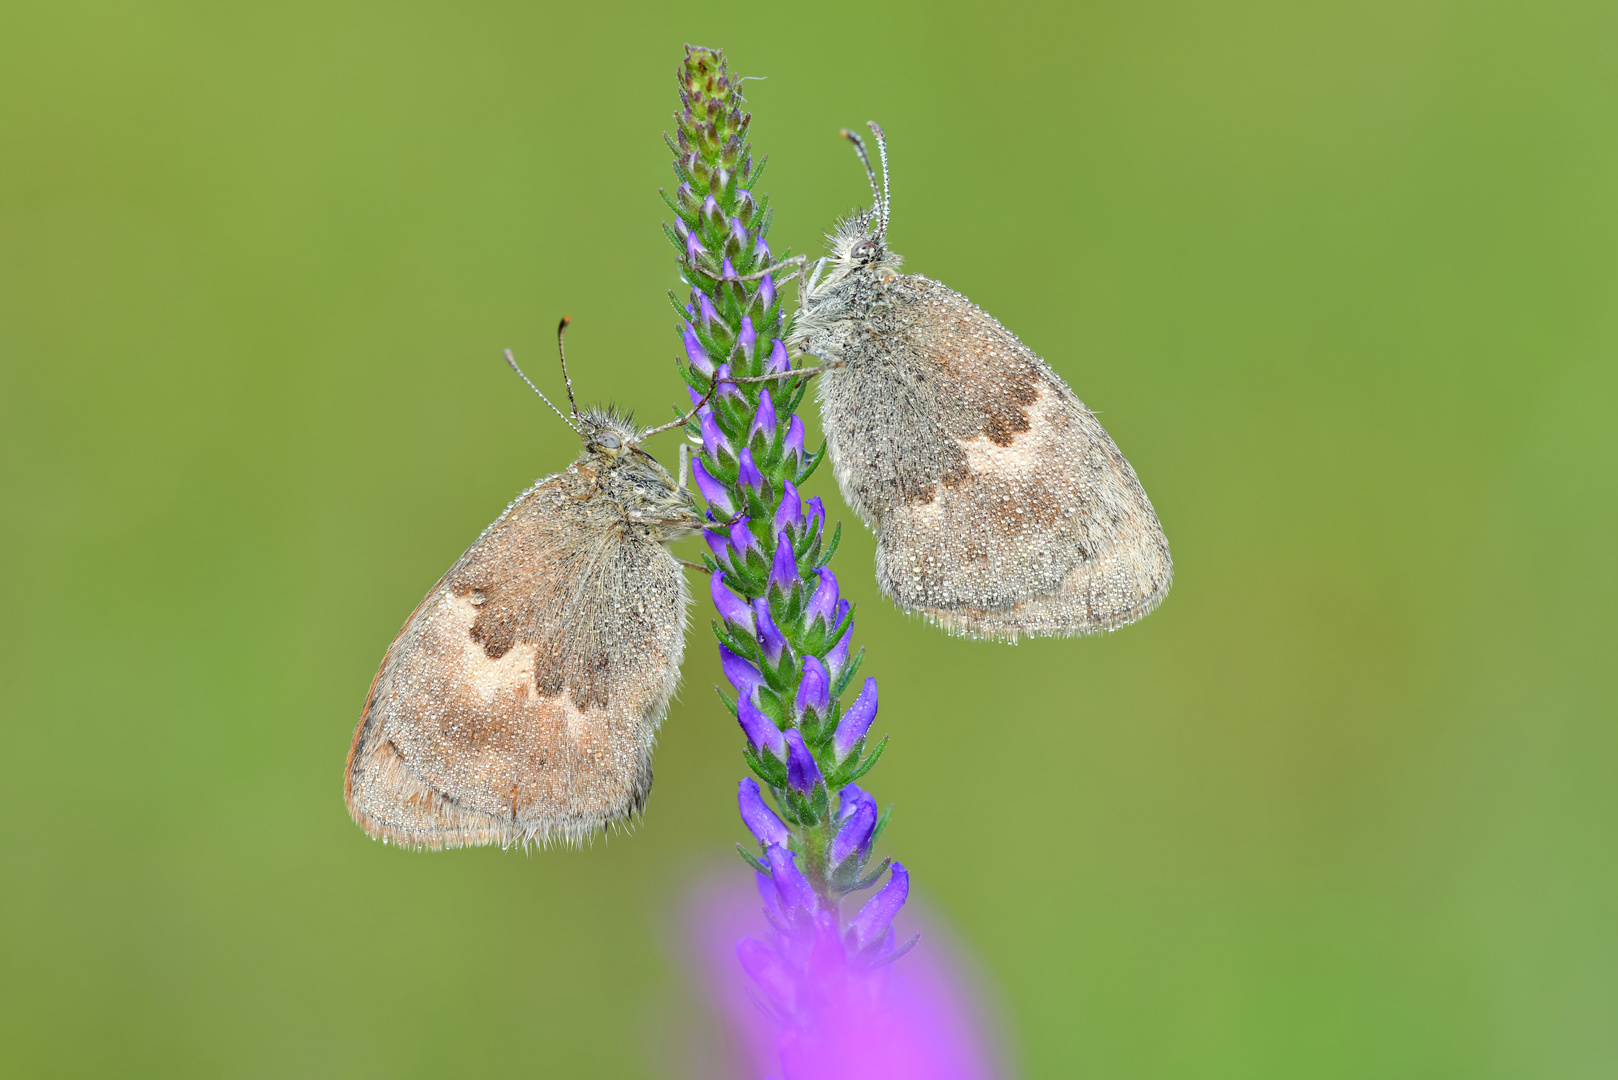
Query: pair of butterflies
521	699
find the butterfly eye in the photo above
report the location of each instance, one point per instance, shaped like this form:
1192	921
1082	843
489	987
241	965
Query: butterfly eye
608	441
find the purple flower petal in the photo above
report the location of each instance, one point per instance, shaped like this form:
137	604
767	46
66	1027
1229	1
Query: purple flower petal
797	895
759	818
766	288
802	772
738	232
794	439
790	513
747	474
731	607
768	636
726	387
854	837
837	659
823	601
747	337
706	309
719	545
815	514
693	247
764	967
877	915
741	673
856	721
695	354
849	800
761	251
713	440
814	691
778	357
712	490
710	209
764	419
727	271
761	731
784	567
742	539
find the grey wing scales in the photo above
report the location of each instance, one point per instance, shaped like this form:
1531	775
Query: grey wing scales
517	705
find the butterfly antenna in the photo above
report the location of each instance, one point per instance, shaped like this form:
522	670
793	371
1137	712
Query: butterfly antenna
561	353
887	195
512	360
870	174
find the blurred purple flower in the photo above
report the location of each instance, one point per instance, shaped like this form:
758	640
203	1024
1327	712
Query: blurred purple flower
798	1007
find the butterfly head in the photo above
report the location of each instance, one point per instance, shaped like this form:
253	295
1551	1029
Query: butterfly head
860	241
631	478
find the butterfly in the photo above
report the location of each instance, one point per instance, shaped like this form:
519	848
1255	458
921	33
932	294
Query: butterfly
1001	506
521	700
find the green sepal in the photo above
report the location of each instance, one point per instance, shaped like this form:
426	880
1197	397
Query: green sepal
730	704
674	238
753	860
850	671
831	545
753	175
769	770
881	823
811	465
865	766
873	877
728	639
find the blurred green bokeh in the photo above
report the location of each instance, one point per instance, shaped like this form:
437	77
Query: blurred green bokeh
1339	278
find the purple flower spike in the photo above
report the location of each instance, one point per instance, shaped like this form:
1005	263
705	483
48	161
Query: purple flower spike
814	692
855	835
766	288
712	490
719	545
693	247
731	608
856	721
747	337
768	636
759	818
802	772
778	357
727	271
764	419
747	472
695	353
742	674
760	729
872	923
823	601
794	440
784	567
790	514
797	895
837	659
761	250
713	440
707	312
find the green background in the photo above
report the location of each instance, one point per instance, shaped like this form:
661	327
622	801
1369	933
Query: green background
1339	278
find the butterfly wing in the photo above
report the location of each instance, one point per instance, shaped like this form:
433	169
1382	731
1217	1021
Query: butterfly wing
521	700
1001	505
